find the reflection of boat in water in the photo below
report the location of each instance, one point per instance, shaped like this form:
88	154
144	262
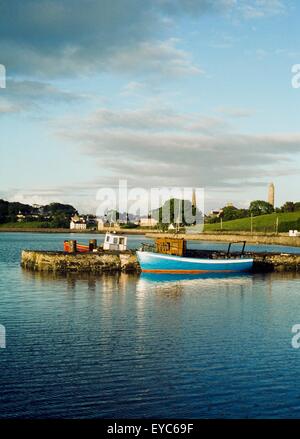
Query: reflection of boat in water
175	283
171	256
217	277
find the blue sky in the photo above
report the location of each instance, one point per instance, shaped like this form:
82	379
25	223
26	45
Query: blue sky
167	93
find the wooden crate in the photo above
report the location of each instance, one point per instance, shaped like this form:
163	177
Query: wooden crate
171	246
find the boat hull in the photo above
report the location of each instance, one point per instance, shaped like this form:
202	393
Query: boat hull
159	263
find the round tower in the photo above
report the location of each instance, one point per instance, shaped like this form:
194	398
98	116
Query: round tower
271	194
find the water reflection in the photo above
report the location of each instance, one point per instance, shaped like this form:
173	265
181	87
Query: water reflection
174	284
107	282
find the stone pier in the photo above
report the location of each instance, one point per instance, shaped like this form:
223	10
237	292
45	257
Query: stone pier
108	262
113	262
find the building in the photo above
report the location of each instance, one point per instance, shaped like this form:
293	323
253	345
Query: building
271	194
215	213
100	224
148	222
104	224
21	217
77	223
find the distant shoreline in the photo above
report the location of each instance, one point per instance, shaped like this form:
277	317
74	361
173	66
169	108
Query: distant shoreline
255	238
78	232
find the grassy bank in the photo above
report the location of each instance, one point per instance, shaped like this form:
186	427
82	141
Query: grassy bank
23	225
34	227
263	223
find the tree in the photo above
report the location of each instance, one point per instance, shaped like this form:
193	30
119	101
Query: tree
177	211
289	206
260	207
15	207
60	220
229	213
3	210
58	208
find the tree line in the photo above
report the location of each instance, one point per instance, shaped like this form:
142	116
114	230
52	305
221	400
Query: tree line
51	215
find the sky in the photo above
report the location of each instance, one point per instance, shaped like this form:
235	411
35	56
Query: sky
172	93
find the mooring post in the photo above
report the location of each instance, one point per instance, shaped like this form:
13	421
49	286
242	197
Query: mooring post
72	246
92	244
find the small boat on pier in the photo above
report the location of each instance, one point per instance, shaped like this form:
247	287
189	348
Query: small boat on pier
170	255
112	242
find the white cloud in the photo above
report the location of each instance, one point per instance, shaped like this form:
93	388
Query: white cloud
160	57
163	147
236	112
7	107
133	88
23	95
253	9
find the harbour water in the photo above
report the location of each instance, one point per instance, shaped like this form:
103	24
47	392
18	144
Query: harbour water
145	346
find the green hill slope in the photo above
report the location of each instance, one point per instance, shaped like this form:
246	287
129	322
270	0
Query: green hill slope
263	223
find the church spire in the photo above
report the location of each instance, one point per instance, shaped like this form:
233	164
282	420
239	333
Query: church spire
194	198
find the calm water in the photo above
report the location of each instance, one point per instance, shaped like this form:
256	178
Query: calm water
133	346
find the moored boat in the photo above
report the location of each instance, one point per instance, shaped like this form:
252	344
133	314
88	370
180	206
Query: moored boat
112	242
171	256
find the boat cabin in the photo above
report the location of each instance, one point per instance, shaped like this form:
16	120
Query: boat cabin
114	242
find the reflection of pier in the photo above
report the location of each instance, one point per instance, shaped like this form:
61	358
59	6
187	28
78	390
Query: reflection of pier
106	282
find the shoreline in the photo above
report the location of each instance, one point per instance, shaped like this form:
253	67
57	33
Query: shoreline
263	239
78	232
282	239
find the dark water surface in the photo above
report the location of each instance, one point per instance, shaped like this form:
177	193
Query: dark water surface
138	346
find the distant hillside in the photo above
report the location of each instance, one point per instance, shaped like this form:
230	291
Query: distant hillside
262	223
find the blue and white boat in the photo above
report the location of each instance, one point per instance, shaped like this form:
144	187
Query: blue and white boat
161	262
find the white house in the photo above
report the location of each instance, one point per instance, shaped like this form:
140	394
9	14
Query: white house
21	217
77	223
148	222
100	224
294	233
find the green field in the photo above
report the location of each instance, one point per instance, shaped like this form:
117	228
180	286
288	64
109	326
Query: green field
23	225
263	223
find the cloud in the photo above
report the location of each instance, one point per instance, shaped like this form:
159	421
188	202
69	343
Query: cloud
151	119
69	37
261	8
196	7
161	57
7	107
72	38
236	112
163	147
133	88
23	95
